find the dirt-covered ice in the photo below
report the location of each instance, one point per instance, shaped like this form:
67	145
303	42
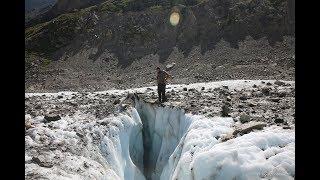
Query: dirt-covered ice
67	139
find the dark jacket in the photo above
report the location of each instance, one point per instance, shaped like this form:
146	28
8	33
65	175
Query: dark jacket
162	77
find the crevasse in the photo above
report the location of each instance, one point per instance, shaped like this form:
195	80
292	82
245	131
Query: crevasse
163	128
162	143
144	141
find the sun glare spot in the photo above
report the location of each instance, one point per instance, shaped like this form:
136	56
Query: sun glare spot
174	18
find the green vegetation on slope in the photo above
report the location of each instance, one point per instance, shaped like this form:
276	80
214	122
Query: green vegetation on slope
114	6
46	38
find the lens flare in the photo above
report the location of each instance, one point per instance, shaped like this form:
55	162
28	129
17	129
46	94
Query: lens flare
174	18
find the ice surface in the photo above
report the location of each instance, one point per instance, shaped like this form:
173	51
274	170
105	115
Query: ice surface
185	146
82	147
232	84
257	155
151	142
174	145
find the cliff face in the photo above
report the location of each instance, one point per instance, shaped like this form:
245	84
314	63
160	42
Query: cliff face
132	35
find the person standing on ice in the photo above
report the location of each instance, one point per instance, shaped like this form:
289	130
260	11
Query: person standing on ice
162	77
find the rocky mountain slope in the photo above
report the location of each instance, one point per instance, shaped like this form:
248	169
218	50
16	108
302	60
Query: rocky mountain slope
58	7
36	4
103	46
253	60
35	8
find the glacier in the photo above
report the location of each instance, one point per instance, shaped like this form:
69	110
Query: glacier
158	143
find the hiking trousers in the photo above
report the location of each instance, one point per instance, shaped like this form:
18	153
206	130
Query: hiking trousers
161	92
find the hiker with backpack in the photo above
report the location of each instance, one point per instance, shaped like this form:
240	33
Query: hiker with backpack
162	77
